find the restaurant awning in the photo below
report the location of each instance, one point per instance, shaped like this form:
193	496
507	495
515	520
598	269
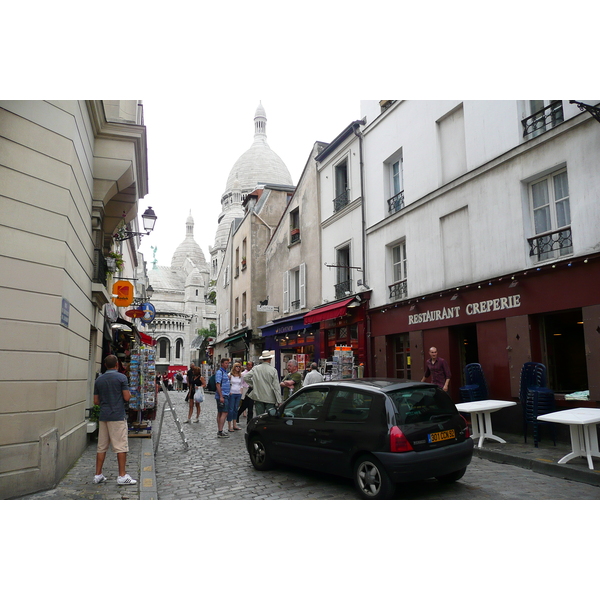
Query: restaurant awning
331	311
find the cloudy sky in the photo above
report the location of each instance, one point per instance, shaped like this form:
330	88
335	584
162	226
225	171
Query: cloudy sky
193	143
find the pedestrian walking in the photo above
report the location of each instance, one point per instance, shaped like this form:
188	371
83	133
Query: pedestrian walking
437	368
190	375
235	396
313	375
111	391
292	382
178	381
196	394
247	404
222	396
266	392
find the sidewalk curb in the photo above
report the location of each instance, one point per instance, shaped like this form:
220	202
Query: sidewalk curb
540	466
148	489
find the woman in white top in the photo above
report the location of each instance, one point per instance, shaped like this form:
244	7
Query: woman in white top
235	396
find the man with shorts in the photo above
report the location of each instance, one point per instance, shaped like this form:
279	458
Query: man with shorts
222	396
111	391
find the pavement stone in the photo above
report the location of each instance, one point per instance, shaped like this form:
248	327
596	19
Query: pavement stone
211	468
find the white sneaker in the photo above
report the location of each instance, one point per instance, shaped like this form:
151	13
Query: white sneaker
196	421
186	421
126	480
99	478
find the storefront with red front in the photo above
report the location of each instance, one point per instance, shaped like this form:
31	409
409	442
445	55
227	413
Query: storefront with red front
549	314
342	324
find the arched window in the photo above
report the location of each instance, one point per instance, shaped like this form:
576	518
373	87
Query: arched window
163	349
178	349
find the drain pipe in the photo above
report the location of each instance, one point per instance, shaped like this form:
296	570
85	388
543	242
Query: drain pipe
368	349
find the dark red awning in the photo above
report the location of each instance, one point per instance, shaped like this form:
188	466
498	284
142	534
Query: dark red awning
331	311
146	339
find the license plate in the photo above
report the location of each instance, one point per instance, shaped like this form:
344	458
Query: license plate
440	436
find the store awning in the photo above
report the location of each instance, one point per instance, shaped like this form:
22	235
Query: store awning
235	338
331	311
146	339
282	326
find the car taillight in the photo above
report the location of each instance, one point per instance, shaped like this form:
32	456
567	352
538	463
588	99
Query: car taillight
467	428
398	441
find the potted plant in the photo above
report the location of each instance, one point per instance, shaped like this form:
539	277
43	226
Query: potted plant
243	262
114	261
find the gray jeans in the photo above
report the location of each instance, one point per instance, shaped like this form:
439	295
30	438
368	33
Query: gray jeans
261	407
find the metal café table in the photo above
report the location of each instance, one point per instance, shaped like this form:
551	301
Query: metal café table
481	419
582	426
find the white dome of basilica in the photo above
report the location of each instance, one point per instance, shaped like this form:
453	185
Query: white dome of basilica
259	164
189	248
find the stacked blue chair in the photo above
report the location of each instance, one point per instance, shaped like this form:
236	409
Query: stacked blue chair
476	385
536	399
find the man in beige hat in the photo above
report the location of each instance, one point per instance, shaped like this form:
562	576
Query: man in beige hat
264	380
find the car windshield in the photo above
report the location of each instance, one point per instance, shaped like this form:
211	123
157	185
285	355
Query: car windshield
417	405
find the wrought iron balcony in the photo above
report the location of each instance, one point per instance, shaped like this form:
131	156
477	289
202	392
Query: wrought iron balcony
543	119
399	290
340	201
295	304
100	268
396	203
294	236
551	244
343	289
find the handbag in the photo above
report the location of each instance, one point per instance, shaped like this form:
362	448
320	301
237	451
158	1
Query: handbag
199	395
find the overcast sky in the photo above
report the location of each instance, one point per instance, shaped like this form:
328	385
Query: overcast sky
194	143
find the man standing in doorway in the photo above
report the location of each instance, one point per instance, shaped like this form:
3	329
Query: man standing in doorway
222	396
266	392
111	391
437	368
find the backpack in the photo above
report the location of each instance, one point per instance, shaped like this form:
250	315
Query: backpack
211	386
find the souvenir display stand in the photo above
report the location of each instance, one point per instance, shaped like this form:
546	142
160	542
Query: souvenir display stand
142	385
343	363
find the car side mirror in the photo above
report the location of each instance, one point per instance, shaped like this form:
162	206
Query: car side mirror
272	412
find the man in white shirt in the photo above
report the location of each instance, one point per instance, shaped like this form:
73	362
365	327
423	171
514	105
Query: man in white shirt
313	376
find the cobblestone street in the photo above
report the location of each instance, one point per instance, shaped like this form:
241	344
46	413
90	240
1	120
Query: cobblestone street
219	469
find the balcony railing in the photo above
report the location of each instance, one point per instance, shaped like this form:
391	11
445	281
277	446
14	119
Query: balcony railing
340	201
551	244
343	289
396	203
543	119
399	290
294	236
295	304
100	268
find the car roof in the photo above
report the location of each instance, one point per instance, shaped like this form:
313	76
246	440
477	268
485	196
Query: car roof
384	384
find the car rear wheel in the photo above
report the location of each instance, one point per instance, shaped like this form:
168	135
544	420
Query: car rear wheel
452	477
259	454
371	480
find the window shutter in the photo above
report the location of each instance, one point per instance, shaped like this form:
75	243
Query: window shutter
303	285
286	292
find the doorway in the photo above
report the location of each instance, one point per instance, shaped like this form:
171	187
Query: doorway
468	352
564	348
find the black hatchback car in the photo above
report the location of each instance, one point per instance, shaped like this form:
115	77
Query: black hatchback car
380	432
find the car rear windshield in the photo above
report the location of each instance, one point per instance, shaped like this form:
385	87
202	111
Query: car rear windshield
417	405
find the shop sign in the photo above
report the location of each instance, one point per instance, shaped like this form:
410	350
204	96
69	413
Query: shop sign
122	293
474	308
149	312
65	309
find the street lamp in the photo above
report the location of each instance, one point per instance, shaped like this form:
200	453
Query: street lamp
148	220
